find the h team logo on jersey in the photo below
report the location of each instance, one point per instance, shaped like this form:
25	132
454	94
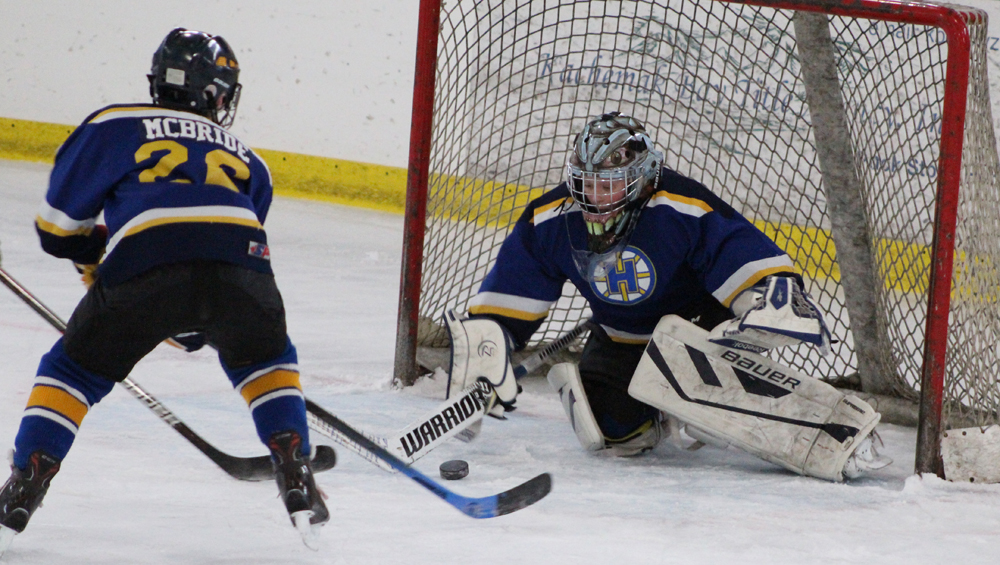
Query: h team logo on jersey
631	280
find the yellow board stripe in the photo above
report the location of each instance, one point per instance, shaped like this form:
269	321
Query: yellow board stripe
507	312
384	188
59	401
270	382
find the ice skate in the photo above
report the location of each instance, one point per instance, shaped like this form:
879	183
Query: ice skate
865	458
297	487
22	494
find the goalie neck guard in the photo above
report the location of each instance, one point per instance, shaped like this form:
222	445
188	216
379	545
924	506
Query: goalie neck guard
196	72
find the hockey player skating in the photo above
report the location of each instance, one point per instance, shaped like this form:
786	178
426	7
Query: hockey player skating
685	294
184	254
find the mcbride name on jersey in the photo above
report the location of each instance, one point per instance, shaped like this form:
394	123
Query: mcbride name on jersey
173	186
689	251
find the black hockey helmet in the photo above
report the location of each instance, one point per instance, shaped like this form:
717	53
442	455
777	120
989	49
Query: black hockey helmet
197	72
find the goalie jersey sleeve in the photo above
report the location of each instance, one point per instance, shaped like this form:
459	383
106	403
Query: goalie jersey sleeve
690	253
173	186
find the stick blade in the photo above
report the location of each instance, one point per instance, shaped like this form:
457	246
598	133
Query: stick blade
261	469
521	496
524	495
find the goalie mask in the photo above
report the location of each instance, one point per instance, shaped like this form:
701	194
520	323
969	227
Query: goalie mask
197	72
610	173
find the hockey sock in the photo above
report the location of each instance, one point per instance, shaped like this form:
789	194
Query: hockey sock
274	395
62	395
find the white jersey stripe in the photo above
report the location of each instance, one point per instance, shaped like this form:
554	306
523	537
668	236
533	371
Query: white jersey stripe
684	205
65	225
57	418
292	367
159	216
512	302
554	210
749	274
276	394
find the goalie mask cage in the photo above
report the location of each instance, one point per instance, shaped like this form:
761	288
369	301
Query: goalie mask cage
856	133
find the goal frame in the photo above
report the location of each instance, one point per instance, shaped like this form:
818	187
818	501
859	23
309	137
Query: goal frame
949	20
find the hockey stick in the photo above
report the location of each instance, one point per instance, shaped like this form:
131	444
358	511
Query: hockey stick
460	416
242	468
506	502
536	359
450	419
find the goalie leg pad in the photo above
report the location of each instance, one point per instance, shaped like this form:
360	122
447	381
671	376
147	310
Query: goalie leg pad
764	408
565	378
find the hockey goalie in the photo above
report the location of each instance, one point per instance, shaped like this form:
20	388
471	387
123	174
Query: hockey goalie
686	295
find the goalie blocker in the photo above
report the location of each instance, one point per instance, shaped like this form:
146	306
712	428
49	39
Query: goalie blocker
749	401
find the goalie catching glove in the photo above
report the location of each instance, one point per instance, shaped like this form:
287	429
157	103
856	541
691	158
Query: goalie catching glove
773	314
480	350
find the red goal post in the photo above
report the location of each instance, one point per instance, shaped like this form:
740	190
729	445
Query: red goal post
857	133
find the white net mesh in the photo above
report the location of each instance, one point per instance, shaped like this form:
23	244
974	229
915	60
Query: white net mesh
719	88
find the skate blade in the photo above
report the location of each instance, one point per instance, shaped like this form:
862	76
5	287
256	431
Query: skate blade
6	537
309	532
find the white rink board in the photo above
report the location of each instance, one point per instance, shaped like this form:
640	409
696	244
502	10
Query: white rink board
333	79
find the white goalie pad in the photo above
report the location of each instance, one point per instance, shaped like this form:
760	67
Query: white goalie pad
565	379
479	349
760	406
972	455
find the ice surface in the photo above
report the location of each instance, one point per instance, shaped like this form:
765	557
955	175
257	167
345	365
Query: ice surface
133	491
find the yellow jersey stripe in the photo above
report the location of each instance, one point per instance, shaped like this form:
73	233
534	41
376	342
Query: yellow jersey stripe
54	229
758	276
507	312
192	220
59	401
270	382
145	112
693	202
548	211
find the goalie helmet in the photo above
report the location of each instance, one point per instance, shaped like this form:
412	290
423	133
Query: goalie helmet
612	164
197	72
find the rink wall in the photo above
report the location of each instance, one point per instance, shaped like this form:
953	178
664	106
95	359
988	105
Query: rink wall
327	85
303	176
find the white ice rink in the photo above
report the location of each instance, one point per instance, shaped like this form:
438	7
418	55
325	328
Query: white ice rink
133	491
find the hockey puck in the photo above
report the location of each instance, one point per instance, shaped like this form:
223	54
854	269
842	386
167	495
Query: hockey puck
454	470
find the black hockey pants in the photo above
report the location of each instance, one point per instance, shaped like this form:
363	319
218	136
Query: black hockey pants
239	310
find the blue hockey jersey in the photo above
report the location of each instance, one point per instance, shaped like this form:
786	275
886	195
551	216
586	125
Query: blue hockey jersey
688	247
173	186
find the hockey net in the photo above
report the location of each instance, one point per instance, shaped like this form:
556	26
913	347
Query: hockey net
723	88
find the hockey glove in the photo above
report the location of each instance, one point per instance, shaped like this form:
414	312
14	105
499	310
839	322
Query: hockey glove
777	314
88	271
480	350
